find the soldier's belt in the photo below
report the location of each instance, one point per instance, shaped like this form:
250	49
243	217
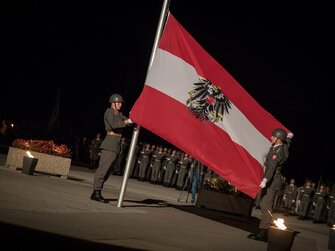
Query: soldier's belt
110	133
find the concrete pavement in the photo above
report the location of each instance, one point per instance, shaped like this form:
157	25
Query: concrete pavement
47	212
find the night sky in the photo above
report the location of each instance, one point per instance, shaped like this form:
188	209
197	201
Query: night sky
282	55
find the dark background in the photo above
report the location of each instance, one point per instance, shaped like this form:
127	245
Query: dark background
281	54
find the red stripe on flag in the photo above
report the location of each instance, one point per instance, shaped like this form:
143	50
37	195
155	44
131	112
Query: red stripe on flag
208	143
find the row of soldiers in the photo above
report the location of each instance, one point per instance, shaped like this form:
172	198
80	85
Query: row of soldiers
307	201
162	165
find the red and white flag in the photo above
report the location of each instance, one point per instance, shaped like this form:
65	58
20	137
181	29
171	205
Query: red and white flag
191	101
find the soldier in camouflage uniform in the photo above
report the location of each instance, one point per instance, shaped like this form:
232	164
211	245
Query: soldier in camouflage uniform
272	179
115	122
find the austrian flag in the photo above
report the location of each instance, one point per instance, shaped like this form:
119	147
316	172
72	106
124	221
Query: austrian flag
191	101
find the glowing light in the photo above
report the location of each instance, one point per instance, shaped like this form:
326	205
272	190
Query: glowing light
280	223
333	227
29	154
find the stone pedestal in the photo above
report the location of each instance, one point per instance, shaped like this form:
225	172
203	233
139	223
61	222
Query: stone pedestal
49	164
235	204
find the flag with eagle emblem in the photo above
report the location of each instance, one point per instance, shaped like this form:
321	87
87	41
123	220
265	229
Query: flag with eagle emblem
191	101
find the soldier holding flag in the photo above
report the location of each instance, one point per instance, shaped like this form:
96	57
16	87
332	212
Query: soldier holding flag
115	122
272	180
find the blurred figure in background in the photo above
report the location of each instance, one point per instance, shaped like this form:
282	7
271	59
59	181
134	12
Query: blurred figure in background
94	151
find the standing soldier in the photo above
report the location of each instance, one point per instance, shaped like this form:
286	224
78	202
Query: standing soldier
170	168
145	160
154	149
175	175
138	163
94	149
272	179
278	201
183	170
290	195
307	194
115	122
298	199
320	203
161	172
156	166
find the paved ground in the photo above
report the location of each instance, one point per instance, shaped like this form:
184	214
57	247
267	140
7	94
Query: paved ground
46	212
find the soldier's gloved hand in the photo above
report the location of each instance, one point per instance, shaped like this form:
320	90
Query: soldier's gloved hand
263	183
290	135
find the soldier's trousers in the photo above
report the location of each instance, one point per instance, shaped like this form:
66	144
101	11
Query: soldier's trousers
102	172
155	171
320	211
181	177
304	207
143	167
266	208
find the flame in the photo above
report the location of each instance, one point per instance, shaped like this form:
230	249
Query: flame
29	154
280	223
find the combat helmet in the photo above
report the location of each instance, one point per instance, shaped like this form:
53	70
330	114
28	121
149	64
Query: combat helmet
279	133
115	98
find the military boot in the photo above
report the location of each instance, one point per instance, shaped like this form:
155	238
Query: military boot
96	195
262	235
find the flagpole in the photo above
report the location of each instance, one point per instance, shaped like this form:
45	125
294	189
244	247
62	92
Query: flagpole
136	131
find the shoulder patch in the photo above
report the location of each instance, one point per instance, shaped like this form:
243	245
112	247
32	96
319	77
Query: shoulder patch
274	156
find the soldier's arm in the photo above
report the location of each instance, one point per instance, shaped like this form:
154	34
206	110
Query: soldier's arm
115	121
